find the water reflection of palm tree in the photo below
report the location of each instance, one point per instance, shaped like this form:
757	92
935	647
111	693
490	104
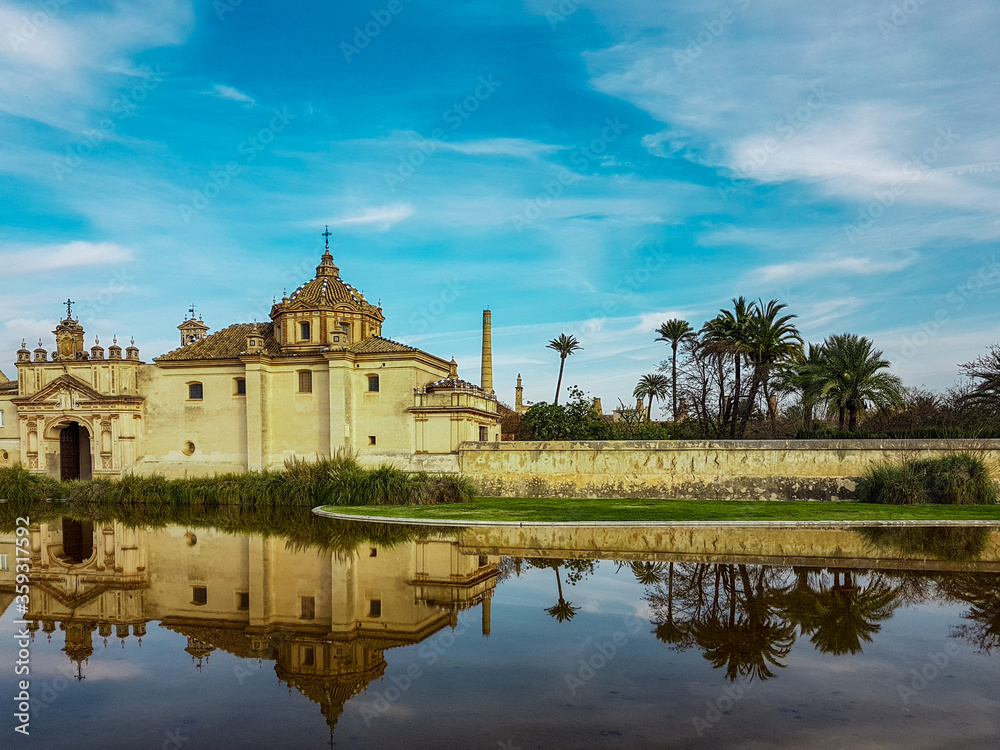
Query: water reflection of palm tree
666	628
752	638
563	610
802	604
982	593
852	614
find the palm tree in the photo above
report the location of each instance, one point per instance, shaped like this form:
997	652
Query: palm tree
674	330
805	376
726	333
651	386
852	375
770	338
565	345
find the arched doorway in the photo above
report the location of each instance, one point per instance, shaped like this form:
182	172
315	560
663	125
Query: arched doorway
78	540
74	452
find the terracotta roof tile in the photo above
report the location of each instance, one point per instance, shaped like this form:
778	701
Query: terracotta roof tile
379	345
229	343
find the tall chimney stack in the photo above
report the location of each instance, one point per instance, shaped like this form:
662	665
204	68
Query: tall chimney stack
487	377
519	396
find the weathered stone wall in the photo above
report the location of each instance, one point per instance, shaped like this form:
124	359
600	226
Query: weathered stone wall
694	469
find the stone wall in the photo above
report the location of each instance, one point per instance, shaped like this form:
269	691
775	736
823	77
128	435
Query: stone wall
694	469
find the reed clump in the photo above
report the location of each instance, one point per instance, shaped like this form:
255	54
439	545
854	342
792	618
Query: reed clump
952	479
338	480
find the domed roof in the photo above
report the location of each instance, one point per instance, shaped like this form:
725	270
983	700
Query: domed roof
328	289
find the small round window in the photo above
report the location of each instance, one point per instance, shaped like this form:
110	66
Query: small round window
188	448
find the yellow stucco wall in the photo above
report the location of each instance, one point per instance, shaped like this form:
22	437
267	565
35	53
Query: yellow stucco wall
745	470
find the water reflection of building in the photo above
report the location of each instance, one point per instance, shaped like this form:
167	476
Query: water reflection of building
325	618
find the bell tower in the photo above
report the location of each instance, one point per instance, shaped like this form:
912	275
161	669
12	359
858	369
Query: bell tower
69	336
192	329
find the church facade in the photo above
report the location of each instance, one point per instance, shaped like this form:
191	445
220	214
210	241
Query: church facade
315	379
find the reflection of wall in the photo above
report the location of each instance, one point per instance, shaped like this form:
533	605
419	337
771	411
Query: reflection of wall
815	547
740	469
324	618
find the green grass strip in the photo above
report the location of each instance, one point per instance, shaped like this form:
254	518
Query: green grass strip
542	510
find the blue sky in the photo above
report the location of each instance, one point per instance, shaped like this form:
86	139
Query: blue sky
592	168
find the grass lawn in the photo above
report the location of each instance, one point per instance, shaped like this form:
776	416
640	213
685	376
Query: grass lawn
566	509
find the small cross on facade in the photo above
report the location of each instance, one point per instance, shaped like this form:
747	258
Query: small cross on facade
69	308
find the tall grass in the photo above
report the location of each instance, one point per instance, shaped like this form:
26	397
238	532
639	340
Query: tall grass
339	480
953	479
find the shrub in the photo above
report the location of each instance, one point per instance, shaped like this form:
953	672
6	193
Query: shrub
953	479
891	485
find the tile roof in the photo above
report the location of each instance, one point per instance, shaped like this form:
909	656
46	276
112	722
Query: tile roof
8	387
379	345
229	343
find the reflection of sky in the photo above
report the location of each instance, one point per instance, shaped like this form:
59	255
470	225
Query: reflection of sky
477	692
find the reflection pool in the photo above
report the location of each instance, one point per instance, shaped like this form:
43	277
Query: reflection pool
199	636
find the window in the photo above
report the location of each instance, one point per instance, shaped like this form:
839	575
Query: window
4	562
373	383
308	607
195	392
241	386
371	440
1	417
305	381
374	552
374	607
304	331
308	656
188	449
199	595
484	434
244	600
483	561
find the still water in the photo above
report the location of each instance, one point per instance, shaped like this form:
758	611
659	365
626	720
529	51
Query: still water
196	636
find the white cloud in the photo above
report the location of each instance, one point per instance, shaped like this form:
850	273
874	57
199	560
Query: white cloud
46	258
844	266
228	92
381	217
59	60
519	147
